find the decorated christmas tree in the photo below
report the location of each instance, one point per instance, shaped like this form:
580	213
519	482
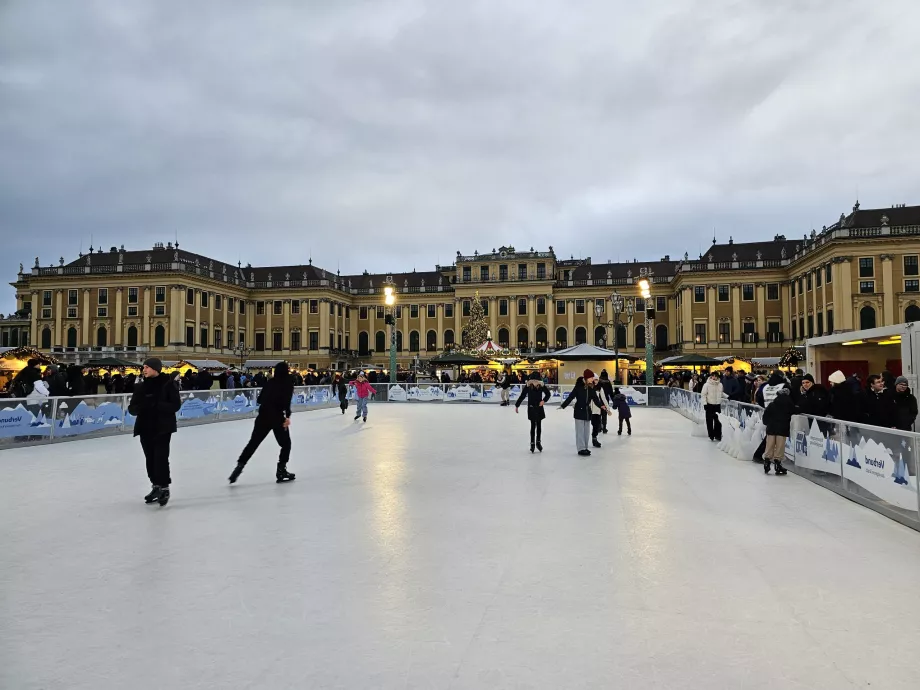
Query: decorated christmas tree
477	330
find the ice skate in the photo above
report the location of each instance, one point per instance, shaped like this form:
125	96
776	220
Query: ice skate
237	471
539	446
163	498
766	466
778	467
595	443
532	446
282	475
153	495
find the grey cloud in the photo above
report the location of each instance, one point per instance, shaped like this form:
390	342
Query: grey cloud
386	135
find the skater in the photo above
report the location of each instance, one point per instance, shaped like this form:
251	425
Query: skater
598	404
582	395
506	388
712	402
363	389
537	396
625	414
275	417
609	394
154	403
341	390
778	419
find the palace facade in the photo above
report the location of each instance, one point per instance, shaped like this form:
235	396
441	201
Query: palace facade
747	299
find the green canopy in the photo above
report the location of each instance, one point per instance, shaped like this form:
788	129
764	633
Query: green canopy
457	359
110	363
691	361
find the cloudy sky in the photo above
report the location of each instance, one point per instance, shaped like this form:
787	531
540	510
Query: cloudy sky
386	135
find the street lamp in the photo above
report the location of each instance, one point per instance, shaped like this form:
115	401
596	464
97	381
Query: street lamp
241	351
618	303
389	299
645	287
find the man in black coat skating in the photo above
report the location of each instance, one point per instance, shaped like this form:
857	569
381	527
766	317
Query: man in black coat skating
274	417
154	403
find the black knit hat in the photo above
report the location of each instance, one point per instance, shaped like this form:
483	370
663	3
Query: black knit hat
534	376
281	369
154	364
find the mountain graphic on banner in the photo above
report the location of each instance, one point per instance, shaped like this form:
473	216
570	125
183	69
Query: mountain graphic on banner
853	461
831	451
900	473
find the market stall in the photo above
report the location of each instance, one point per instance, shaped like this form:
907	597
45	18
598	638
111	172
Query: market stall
690	362
572	361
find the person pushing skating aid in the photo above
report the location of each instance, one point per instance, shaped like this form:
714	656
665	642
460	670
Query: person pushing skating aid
275	417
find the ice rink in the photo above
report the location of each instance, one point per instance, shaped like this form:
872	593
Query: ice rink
430	549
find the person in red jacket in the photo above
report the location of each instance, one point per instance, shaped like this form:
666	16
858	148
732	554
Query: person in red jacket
363	389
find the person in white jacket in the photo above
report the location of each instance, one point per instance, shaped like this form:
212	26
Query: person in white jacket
713	395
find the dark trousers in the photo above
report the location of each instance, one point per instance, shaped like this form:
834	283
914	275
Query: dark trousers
713	425
628	424
595	425
344	404
604	420
260	431
536	427
156	452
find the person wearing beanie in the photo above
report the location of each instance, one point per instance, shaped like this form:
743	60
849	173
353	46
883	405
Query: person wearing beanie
623	412
599	404
606	388
813	398
57	382
274	417
537	396
906	404
154	403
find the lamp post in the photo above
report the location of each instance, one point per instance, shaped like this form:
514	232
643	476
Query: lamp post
618	304
241	351
389	299
645	286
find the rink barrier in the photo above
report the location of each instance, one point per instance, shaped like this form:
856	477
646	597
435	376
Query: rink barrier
26	422
870	465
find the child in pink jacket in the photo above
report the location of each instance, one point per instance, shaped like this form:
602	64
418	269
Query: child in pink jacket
363	389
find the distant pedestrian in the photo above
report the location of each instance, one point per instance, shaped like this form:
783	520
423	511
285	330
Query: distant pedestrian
154	404
623	412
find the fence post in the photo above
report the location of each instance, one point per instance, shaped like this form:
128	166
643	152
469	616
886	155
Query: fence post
54	402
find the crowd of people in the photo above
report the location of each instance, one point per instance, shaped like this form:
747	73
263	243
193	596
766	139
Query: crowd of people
884	401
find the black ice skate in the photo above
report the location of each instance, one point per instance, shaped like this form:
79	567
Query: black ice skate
766	466
584	452
357	416
237	471
163	498
531	446
365	420
153	495
539	446
282	475
595	443
778	467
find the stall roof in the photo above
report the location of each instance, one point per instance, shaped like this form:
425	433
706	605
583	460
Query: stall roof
203	364
691	361
27	352
103	362
261	363
584	351
458	359
766	361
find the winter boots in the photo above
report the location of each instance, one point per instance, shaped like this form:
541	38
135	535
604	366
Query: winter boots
777	467
282	475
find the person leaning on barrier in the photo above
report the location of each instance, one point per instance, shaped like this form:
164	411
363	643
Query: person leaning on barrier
713	394
906	404
813	398
846	403
880	408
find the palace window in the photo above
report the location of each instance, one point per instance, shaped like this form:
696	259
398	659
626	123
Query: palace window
159	294
103	296
699	333
560	306
503	307
71	312
541	305
242	307
362	313
449	310
661	304
911	267
466	307
260	308
724	293
541	271
205	297
190	300
295	306
773	291
159	310
132	295
231	303
522	271
73	297
747	292
725	333
912	285
278	307
503	272
827	274
699	294
522	306
867	267
866	287
413	311
132	310
314	308
432	311
218	304
579	306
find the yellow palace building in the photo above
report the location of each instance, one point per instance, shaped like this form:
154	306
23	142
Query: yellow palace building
752	299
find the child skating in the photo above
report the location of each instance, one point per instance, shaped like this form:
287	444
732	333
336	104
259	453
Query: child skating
341	390
363	390
537	396
625	414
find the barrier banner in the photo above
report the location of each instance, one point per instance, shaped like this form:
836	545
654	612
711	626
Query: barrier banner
24	419
197	405
240	403
397	393
425	393
77	417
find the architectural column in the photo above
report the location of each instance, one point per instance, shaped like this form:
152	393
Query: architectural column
226	321
176	314
145	324
786	297
116	338
304	332
324	323
286	335
250	325
889	290
353	327
687	321
197	339
58	316
406	327
589	328
736	314
532	319
845	311
823	298
814	306
236	321
712	329
513	313
570	322
550	322
372	329
458	324
760	295
493	318
439	310
33	326
269	339
423	329
211	322
85	335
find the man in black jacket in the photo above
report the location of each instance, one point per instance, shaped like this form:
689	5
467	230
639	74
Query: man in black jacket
154	403
57	384
880	406
275	417
906	404
813	398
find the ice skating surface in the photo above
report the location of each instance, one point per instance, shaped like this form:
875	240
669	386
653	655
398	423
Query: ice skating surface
429	549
